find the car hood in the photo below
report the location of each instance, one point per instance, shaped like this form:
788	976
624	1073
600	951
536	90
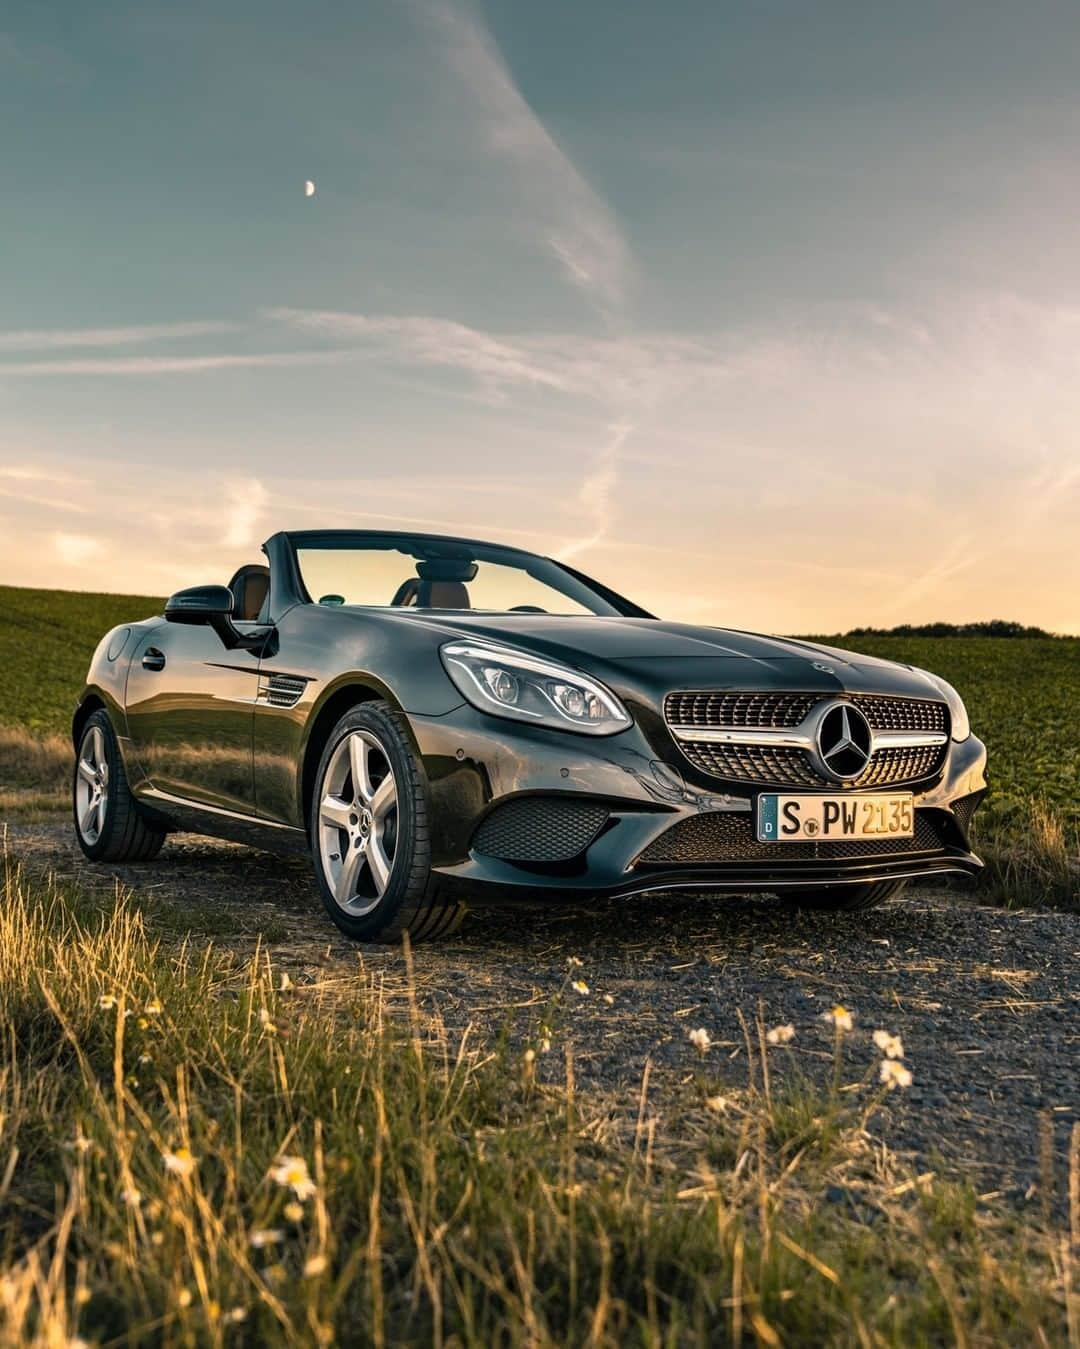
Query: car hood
682	655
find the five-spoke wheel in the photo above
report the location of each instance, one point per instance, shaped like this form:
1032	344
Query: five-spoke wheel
369	831
92	785
109	823
358	814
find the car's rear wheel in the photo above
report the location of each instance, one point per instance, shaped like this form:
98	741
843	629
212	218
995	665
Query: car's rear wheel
846	898
369	832
108	822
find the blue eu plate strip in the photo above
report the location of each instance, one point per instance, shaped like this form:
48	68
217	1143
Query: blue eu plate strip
767	817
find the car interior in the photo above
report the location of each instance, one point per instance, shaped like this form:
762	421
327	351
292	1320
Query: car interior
250	588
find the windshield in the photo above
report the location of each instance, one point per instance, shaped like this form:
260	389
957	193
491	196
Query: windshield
421	572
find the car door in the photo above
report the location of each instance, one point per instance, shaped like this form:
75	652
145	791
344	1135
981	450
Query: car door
190	704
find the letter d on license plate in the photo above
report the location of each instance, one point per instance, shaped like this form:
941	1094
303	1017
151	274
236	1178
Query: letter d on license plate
824	819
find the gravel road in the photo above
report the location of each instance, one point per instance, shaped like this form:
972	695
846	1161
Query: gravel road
986	1000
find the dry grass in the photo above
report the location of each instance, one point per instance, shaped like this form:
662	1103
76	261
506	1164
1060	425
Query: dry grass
1033	860
35	773
447	1189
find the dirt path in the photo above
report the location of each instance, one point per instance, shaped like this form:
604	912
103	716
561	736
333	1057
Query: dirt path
986	1000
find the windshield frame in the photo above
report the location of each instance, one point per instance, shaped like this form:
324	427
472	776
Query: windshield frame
449	546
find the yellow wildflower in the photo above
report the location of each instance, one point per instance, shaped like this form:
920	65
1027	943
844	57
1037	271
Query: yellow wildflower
180	1162
292	1173
840	1017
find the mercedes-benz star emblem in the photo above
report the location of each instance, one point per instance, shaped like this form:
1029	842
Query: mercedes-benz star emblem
844	741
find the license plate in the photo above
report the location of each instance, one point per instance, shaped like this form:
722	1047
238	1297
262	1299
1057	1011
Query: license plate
821	819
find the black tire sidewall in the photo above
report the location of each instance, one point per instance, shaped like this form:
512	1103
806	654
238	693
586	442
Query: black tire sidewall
847	898
410	870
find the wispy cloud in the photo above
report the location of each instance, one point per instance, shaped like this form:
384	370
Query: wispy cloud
75	550
597	491
245	502
572	220
169	365
429	341
60	339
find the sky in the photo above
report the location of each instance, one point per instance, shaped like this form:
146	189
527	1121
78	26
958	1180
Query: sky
766	315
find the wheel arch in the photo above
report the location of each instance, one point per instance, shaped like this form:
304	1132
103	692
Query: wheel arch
91	703
351	691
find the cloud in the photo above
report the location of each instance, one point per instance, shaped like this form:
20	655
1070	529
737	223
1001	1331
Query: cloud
77	549
596	493
245	502
59	339
20	473
572	220
170	365
428	341
614	371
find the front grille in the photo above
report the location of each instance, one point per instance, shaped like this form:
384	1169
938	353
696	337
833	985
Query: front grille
724	836
786	767
539	829
886	713
775	710
753	763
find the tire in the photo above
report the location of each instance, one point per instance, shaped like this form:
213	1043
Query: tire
370	840
847	898
108	822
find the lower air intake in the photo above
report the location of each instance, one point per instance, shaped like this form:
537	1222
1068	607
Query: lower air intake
729	837
539	829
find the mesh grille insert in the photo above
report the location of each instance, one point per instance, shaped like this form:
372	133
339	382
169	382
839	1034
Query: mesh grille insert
539	829
729	837
784	767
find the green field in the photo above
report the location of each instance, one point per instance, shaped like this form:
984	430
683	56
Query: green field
46	640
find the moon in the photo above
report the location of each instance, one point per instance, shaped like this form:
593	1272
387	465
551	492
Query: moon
309	188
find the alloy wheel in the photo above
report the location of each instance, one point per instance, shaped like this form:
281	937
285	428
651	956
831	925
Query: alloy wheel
357	822
92	786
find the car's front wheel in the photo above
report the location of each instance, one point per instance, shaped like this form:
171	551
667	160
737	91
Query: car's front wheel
108	823
846	898
369	832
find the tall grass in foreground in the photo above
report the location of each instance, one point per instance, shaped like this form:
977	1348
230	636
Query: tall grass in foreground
191	1153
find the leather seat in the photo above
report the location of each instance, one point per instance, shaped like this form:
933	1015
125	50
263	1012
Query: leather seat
250	587
427	594
443	595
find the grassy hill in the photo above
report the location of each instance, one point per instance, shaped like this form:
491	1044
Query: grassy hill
46	640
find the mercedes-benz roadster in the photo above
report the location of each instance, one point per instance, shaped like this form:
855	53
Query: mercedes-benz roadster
443	722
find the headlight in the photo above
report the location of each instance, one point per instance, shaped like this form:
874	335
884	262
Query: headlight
961	726
512	684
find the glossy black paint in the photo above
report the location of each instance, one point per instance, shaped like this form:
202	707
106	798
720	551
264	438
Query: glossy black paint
211	742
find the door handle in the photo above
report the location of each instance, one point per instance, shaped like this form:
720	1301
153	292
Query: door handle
153	659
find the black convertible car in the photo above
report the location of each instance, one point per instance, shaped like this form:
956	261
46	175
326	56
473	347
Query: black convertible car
443	722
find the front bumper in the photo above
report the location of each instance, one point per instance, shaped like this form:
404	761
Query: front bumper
634	792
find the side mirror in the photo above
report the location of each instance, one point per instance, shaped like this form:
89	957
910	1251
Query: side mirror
212	606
